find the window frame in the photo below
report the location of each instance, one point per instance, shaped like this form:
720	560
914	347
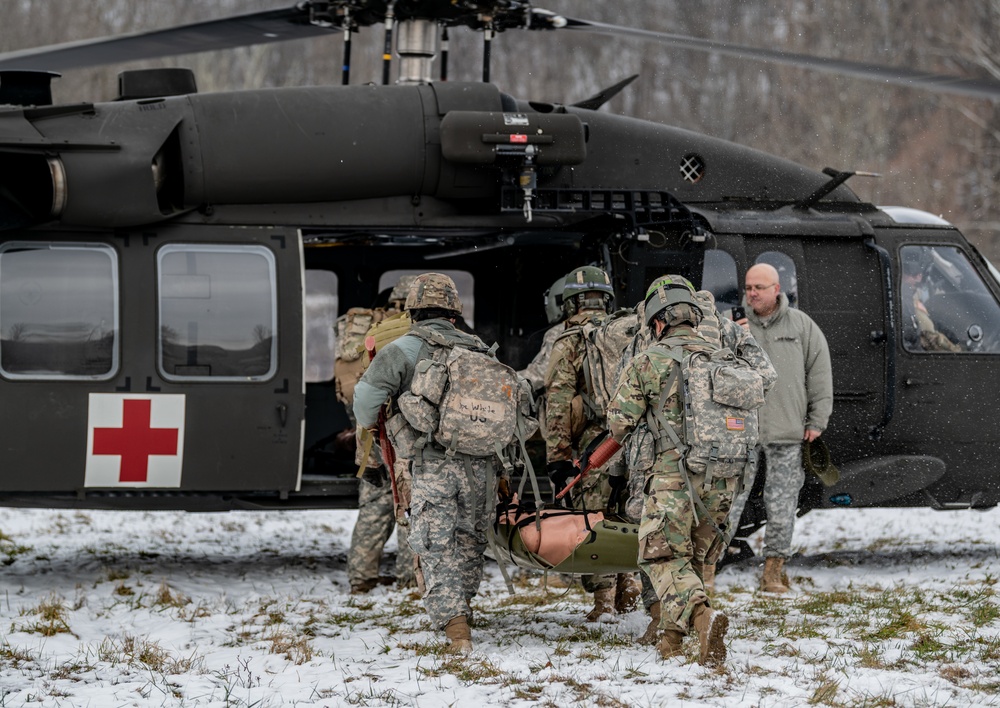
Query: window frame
246	248
115	280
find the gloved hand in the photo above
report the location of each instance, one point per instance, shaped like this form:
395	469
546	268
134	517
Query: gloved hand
376	476
617	484
560	473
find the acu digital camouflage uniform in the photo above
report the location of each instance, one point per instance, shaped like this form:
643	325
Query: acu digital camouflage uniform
451	498
376	508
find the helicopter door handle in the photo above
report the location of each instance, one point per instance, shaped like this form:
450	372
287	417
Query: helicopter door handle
282	414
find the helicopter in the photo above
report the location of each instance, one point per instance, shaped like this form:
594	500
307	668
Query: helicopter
172	262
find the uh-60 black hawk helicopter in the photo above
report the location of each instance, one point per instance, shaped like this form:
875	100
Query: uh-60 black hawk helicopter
171	263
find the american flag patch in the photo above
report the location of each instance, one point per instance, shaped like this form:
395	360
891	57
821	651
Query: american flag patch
735	423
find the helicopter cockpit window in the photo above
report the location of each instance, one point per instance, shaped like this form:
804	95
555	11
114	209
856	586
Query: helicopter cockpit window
58	311
321	324
720	278
218	315
786	274
463	281
946	306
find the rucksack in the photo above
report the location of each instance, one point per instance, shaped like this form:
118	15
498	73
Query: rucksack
349	363
721	395
604	342
464	398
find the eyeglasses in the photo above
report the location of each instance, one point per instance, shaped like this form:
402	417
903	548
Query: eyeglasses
758	288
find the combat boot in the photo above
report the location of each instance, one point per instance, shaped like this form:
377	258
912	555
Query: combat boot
627	592
669	644
459	635
711	626
604	604
652	633
774	578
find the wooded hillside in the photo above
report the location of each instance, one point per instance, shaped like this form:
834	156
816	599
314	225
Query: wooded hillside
935	152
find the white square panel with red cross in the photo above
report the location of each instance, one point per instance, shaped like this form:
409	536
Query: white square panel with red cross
135	440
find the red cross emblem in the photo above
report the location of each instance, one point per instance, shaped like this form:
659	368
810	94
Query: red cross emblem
135	440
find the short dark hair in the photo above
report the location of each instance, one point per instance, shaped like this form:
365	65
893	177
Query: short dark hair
432	313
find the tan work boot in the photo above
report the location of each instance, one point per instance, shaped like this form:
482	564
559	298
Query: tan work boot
711	626
652	633
628	590
459	635
774	578
604	604
670	642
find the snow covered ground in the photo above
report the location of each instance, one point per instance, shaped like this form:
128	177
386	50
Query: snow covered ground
891	608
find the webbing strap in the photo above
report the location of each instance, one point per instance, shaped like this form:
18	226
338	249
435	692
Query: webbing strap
491	537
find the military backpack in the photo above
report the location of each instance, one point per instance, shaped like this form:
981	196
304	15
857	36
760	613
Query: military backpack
721	394
464	399
605	341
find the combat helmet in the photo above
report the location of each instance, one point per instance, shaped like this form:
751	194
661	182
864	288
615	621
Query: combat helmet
672	295
588	279
553	298
433	291
402	288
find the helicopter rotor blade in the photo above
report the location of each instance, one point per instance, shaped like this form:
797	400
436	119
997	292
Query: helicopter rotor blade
227	33
899	76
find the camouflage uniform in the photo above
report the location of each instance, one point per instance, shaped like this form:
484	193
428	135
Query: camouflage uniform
719	332
564	381
376	520
376	510
671	538
448	513
539	366
801	399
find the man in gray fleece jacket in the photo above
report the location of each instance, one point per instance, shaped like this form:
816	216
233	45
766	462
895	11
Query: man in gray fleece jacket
797	408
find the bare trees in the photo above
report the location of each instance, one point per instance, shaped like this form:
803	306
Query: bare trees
936	152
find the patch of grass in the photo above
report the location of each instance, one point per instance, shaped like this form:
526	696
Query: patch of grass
10	550
14	657
51	617
140	652
165	597
295	648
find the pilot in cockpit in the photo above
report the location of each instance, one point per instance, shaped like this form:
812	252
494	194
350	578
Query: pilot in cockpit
919	331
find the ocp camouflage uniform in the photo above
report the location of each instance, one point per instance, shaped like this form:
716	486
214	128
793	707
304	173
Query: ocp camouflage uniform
539	366
719	332
671	538
570	427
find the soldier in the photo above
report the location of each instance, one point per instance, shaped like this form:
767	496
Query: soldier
797	409
555	313
574	418
376	508
450	506
673	539
719	332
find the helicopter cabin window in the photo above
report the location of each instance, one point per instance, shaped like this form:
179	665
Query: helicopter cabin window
218	315
464	282
719	278
321	324
786	274
58	311
946	307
